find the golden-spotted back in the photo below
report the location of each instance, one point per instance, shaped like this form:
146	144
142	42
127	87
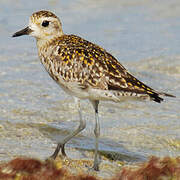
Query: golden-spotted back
92	67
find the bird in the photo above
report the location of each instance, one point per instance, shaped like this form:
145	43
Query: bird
84	70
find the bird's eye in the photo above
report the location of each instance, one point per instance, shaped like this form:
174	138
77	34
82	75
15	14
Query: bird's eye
45	23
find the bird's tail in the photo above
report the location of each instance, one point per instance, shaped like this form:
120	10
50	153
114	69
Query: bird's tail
165	94
155	96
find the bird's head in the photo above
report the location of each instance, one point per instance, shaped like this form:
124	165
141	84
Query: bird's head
43	25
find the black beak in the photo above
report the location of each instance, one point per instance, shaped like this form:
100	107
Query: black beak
22	32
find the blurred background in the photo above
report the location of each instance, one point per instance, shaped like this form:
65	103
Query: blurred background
144	35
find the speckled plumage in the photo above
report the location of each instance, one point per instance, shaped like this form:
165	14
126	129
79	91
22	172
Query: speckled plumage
73	61
83	69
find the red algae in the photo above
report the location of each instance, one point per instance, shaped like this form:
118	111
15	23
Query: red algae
28	165
155	169
32	169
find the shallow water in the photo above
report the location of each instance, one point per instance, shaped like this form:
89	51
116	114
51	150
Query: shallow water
35	112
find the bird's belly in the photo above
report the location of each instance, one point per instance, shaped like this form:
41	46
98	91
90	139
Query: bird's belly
74	91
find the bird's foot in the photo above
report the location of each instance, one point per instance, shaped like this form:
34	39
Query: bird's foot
96	167
55	154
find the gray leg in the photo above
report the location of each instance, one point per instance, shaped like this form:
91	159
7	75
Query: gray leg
97	134
61	144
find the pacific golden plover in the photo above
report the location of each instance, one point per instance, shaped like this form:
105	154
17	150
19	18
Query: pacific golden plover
84	70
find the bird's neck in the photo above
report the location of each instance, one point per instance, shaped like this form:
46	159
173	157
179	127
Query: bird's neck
45	41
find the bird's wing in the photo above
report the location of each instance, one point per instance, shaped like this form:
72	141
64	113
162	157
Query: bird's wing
92	66
102	67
